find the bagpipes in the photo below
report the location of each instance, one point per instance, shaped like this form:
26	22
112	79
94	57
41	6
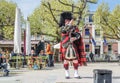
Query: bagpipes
68	28
73	35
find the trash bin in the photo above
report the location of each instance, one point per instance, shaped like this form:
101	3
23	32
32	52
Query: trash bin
102	76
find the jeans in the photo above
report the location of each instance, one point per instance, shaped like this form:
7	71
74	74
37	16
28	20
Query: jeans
50	60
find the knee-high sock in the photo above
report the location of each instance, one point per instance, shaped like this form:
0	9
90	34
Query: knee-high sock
75	69
75	66
66	66
76	73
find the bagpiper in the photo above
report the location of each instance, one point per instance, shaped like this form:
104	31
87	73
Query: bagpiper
71	45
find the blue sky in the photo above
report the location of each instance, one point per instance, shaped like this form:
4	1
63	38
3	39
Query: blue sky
28	6
111	3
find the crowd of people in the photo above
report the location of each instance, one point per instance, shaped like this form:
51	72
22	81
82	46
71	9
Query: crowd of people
4	62
35	61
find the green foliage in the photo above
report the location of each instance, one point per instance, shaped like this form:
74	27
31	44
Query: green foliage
45	18
108	20
7	12
7	18
8	32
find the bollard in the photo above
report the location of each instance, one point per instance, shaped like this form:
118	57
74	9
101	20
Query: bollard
102	76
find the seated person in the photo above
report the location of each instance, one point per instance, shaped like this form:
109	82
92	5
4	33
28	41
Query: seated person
30	63
4	66
43	58
33	53
35	66
42	53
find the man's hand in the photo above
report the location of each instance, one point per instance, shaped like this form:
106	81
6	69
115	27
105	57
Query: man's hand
72	39
61	58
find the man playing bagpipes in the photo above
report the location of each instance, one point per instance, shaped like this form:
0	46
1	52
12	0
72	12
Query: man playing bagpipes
71	45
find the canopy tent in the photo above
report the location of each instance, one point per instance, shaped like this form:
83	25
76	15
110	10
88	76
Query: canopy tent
57	46
56	52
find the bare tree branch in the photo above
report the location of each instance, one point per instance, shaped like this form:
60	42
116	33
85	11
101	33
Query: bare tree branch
110	36
49	8
107	24
91	1
81	12
51	22
116	34
48	34
52	13
68	4
63	11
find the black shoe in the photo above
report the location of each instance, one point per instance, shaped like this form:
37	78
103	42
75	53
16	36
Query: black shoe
78	77
67	77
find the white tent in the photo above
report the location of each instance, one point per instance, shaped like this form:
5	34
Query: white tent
56	51
17	32
28	39
57	46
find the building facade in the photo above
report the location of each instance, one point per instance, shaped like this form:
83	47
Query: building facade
95	41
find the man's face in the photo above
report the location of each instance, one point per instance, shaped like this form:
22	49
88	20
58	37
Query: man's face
67	21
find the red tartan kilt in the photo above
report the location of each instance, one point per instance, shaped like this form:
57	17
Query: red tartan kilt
82	59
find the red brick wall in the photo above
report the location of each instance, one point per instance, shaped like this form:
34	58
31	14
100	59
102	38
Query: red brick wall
115	48
105	48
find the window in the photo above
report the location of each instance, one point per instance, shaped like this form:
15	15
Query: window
86	32
109	48
90	18
97	32
87	48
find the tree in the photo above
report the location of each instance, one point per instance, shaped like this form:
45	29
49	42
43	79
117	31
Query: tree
7	18
45	18
108	20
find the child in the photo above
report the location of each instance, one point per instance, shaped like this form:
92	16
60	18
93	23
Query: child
35	66
30	63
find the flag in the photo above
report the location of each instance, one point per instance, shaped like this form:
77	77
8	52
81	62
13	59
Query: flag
28	39
93	41
17	32
104	41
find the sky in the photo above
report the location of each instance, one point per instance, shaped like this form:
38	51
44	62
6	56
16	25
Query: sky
28	6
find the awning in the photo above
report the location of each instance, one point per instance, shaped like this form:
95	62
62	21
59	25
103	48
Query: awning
57	46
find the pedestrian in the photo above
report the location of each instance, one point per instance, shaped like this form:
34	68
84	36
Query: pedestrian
71	45
91	56
88	57
4	64
49	52
107	57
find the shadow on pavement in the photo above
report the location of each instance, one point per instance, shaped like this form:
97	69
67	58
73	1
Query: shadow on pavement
116	77
87	77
